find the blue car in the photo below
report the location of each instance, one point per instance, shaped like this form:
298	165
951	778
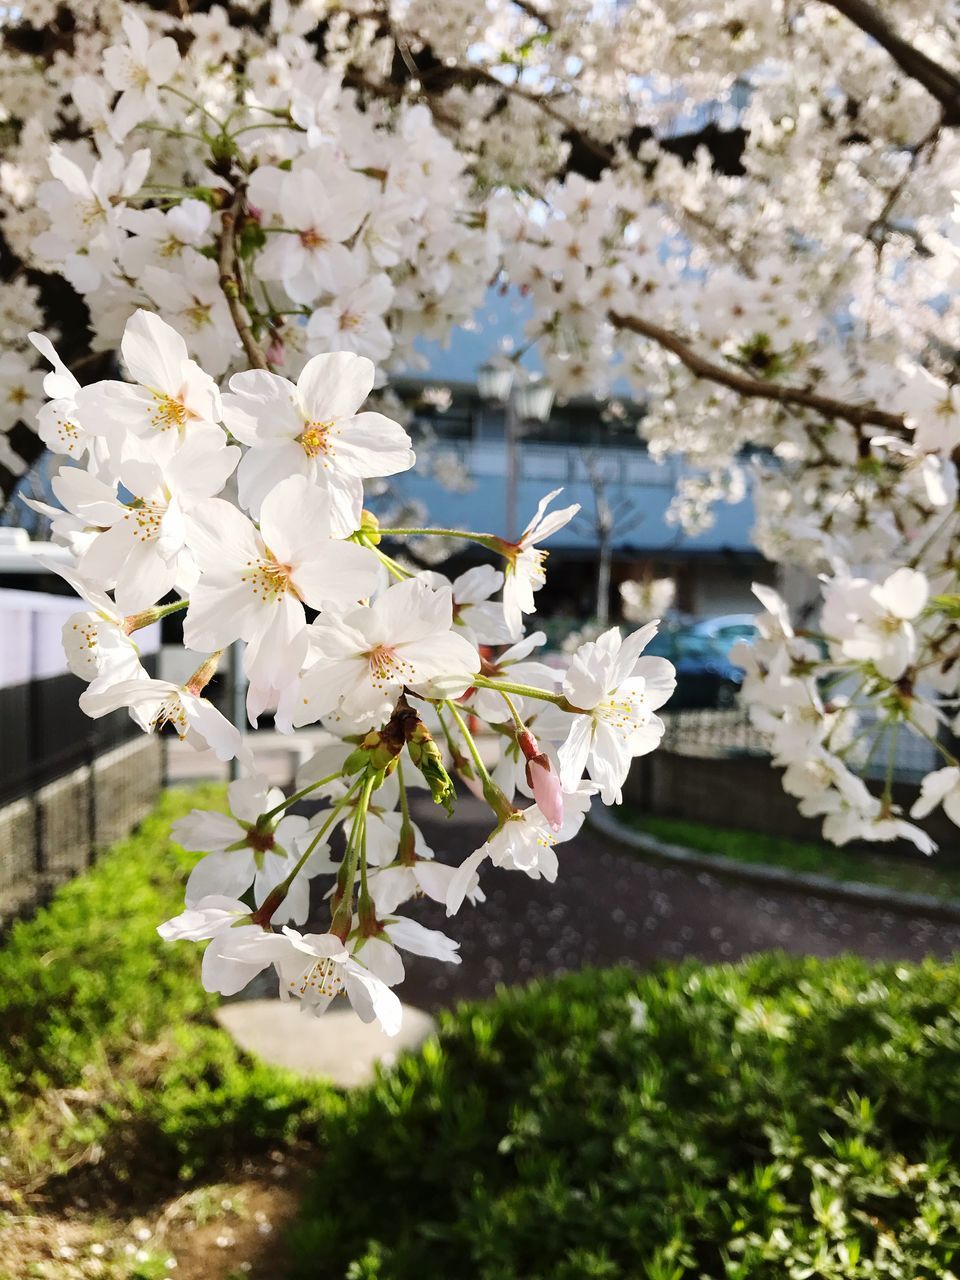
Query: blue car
705	675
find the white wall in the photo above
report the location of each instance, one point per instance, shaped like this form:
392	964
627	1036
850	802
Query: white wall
31	623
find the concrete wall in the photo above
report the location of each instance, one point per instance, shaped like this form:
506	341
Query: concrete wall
50	836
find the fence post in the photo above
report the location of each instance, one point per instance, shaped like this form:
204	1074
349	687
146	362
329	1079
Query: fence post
91	800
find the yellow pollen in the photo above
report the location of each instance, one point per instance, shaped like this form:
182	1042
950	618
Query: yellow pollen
144	519
349	320
268	579
316	438
624	715
171	712
387	667
324	978
168	412
198	315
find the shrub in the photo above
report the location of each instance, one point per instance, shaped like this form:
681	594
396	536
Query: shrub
109	1048
782	1117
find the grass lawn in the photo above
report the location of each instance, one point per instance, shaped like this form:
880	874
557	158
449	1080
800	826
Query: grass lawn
132	1130
919	873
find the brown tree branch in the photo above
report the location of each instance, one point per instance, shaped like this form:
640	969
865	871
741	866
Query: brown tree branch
858	415
940	83
230	281
533	11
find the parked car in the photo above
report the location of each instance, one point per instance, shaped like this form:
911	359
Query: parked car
727	629
705	675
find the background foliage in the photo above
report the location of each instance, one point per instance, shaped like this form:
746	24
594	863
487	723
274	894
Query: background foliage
783	1117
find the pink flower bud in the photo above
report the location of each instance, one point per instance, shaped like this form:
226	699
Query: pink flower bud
546	789
276	352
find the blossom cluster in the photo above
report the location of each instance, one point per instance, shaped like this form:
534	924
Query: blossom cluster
242	508
758	238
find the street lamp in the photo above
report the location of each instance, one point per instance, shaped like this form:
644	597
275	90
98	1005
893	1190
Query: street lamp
524	399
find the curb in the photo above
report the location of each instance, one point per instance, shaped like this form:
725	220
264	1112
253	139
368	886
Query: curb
729	868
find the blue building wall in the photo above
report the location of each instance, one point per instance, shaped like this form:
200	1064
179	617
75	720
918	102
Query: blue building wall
631	475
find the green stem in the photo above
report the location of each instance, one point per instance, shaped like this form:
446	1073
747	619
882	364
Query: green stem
485	539
268	124
404	803
512	706
198	106
390	564
265	912
343	916
344	799
526	691
175	133
469	740
950	758
494	797
297	795
459	760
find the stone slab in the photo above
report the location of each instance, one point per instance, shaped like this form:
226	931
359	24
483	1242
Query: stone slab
337	1046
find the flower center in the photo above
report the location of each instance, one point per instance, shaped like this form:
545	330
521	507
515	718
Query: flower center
350	320
268	579
313	239
168	412
171	711
145	519
198	315
68	433
325	979
623	715
387	667
315	438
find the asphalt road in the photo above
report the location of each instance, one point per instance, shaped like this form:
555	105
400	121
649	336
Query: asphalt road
608	906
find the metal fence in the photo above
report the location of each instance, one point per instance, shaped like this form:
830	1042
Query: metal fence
69	786
44	734
712	734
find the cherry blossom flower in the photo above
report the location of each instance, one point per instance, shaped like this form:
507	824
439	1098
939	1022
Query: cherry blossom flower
142	552
525	842
242	852
525	571
237	949
313	429
174	395
254	583
940	787
481	618
153	704
618	691
875	623
323	217
353	320
368	656
138	69
318	967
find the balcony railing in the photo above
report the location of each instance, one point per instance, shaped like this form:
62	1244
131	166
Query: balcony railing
562	464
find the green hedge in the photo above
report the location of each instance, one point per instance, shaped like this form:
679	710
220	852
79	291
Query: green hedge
108	1049
778	1118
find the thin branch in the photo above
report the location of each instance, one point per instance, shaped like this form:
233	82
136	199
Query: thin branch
230	282
533	12
879	224
859	415
940	83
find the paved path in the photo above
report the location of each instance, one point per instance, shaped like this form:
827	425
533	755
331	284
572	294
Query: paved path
609	907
